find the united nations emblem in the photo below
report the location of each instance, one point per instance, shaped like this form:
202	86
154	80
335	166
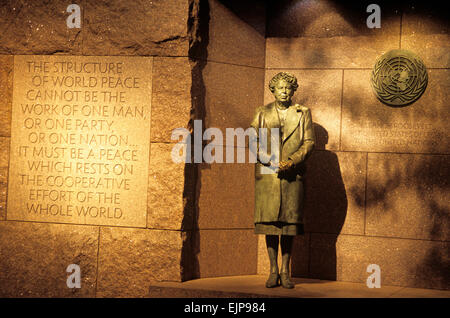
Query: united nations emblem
399	78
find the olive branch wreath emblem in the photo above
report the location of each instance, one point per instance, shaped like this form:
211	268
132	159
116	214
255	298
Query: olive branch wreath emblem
387	89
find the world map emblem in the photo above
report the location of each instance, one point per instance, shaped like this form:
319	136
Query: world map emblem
399	78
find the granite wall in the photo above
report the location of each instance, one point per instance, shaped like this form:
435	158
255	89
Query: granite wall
377	185
115	261
232	74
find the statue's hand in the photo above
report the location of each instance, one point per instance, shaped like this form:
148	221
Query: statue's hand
286	165
274	164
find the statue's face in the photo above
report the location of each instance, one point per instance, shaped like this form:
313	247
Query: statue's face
283	91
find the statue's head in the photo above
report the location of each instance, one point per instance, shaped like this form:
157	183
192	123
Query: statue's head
283	85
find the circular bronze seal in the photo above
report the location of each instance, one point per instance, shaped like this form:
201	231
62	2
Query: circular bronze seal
399	78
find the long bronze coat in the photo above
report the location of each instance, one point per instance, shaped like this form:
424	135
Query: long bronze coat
279	196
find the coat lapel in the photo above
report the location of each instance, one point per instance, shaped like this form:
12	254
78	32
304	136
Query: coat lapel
293	116
272	119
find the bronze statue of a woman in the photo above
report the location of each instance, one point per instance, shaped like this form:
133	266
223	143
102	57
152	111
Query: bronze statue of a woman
279	195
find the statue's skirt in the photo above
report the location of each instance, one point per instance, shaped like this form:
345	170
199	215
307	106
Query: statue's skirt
279	228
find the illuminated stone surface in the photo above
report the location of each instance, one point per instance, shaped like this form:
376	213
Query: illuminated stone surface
171	97
6	83
37	27
227	196
238	255
35	256
130	259
170	186
369	125
4	158
143	28
80	156
407	196
425	31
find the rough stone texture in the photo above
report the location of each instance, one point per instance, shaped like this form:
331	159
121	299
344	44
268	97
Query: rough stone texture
413	263
35	256
171	97
227	252
316	34
300	256
334	192
407	196
6	84
4	164
334	52
144	28
319	90
232	94
36	27
428	35
170	188
369	125
236	32
130	259
321	19
227	195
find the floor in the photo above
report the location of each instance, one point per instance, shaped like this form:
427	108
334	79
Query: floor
253	286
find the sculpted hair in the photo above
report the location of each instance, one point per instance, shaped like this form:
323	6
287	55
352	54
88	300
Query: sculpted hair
283	76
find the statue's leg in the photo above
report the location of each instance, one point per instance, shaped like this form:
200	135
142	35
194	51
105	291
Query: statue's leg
272	250
286	250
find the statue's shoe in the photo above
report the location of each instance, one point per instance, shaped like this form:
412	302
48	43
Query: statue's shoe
285	281
273	280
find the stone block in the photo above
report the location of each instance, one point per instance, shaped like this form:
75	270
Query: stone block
300	256
226	195
227	252
407	196
334	52
38	28
322	256
35	257
90	164
426	32
370	125
171	97
4	164
320	91
232	94
410	263
320	19
170	190
335	192
6	86
157	28
327	35
236	32
130	259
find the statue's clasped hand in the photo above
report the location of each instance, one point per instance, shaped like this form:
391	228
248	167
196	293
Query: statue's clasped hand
285	165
